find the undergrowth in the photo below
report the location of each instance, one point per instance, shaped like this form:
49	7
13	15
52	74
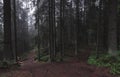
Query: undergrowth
106	60
8	64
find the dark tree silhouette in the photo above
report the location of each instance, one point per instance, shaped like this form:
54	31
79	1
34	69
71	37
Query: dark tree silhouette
7	30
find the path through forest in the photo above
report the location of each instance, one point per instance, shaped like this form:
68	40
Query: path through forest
31	68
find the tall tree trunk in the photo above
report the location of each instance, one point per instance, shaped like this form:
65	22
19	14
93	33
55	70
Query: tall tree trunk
15	32
112	28
7	29
51	29
76	26
105	24
62	6
38	25
100	31
118	26
54	29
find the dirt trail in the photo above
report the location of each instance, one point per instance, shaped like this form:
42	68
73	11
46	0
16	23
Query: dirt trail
31	68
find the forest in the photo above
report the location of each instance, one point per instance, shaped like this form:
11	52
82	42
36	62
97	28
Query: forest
59	38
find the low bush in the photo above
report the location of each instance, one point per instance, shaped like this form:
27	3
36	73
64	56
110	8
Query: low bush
106	60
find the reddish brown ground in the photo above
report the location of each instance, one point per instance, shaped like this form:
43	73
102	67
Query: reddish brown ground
72	68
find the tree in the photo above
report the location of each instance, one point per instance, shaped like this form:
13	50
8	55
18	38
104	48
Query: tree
100	30
38	26
112	28
105	23
15	31
52	29
1	30
62	7
7	30
76	26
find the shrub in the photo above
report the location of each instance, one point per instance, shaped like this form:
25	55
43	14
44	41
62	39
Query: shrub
106	60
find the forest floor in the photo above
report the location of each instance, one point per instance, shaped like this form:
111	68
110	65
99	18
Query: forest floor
70	68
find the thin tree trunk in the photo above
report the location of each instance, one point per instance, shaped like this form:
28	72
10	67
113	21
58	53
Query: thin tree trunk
51	30
61	29
38	25
15	32
105	24
112	33
76	27
54	29
100	27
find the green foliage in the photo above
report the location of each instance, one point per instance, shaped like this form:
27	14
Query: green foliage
115	68
45	58
92	60
106	60
3	75
5	64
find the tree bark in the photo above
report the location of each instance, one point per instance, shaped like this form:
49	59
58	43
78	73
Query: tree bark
112	28
38	25
7	30
76	27
51	29
62	6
